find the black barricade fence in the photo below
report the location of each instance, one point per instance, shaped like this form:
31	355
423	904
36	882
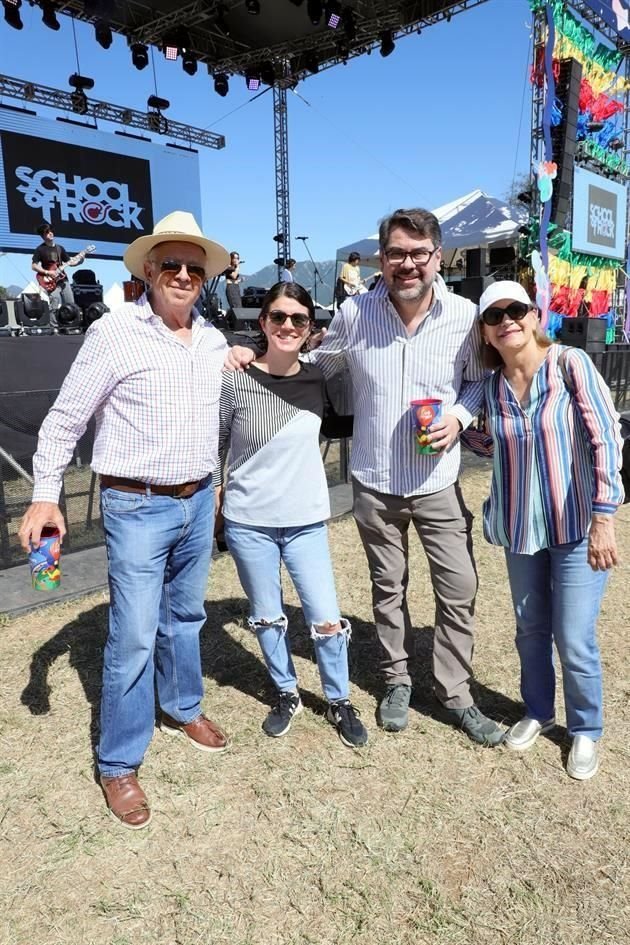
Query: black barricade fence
21	415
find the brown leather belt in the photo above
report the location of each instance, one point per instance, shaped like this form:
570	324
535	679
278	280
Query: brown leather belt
182	491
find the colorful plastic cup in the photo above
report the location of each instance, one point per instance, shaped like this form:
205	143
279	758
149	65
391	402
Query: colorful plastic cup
44	560
425	413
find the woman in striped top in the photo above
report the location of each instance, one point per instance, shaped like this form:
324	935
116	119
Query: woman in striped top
276	503
555	489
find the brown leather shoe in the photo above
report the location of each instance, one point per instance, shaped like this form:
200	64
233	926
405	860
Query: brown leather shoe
127	801
201	733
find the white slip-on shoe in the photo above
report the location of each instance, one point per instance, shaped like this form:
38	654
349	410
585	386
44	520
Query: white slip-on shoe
523	735
583	760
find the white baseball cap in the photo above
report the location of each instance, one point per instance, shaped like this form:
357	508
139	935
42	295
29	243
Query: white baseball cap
505	289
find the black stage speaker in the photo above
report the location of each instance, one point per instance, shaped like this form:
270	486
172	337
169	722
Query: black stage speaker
473	288
84	277
33	314
501	256
475	263
242	319
86	295
252	296
586	333
563	139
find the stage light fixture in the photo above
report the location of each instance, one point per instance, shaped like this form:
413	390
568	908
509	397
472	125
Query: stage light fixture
333	14
221	22
79	102
170	46
103	34
69	318
189	62
93	312
525	196
616	144
252	81
594	126
278	238
157	123
80	82
139	55
314	10
267	72
387	43
49	15
349	23
252	7
311	62
221	84
12	13
159	104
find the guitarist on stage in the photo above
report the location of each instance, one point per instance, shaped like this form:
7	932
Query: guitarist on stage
47	258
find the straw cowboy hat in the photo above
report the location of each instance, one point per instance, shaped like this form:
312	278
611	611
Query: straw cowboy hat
178	227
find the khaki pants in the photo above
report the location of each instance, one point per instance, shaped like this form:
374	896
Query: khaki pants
443	524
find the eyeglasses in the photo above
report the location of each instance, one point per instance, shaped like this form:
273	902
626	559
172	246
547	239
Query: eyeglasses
516	311
419	257
175	265
298	320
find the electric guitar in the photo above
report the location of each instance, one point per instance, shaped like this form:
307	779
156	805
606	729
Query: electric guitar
55	275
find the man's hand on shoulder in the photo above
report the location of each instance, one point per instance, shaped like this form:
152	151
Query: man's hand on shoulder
37	516
316	339
238	358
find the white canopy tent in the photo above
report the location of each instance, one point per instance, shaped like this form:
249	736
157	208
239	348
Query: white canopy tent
114	297
471	221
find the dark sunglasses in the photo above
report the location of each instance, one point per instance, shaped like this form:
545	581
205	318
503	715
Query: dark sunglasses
516	311
175	265
299	320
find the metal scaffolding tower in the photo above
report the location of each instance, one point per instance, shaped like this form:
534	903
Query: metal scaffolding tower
281	143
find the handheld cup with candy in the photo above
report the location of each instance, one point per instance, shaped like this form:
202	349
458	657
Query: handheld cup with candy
425	413
44	560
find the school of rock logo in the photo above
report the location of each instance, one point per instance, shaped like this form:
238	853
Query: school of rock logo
81	199
602	221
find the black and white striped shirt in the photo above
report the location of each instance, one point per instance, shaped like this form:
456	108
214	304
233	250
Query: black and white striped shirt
270	425
390	368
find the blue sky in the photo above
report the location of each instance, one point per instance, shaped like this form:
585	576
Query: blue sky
447	112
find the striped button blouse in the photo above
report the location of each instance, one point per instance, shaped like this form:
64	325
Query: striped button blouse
155	400
556	461
390	368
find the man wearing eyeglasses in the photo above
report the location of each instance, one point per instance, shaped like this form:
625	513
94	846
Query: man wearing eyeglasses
150	373
410	339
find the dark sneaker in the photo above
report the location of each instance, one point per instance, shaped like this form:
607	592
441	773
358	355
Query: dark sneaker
477	726
278	722
351	729
393	713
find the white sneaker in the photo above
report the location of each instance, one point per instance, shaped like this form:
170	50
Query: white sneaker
523	735
583	758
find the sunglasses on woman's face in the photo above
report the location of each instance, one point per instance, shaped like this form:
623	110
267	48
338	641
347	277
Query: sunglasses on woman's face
516	311
298	320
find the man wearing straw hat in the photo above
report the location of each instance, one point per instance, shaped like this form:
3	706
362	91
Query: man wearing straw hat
150	373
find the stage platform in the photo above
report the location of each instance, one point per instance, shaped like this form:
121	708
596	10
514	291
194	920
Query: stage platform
84	572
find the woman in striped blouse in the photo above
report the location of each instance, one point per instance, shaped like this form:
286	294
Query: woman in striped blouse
555	489
276	505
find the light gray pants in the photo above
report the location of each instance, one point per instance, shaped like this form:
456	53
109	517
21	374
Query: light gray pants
443	524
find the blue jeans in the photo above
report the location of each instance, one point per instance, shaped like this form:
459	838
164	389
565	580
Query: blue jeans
159	552
258	553
557	597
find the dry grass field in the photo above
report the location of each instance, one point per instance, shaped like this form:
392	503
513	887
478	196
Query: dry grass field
420	838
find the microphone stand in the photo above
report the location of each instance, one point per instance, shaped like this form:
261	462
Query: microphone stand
316	272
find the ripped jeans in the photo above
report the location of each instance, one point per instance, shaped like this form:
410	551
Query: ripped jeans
258	552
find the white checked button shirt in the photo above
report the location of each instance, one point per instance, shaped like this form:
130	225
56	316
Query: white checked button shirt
390	368
155	401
